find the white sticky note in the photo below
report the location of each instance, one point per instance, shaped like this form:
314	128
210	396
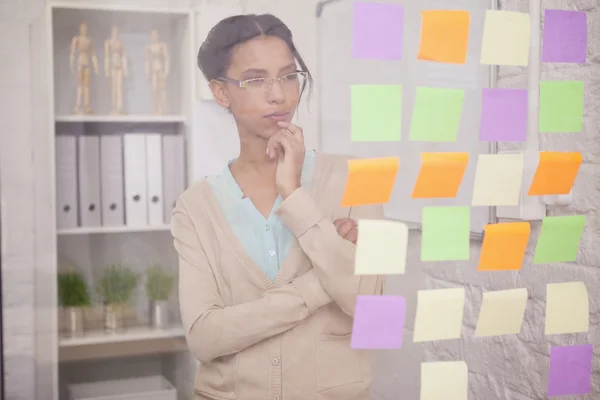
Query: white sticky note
506	37
380	247
498	180
567	308
439	314
444	380
501	312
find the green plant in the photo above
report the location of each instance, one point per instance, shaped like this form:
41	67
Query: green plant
117	285
72	290
159	283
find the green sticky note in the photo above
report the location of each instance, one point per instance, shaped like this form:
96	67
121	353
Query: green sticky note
376	113
437	113
561	106
446	233
559	239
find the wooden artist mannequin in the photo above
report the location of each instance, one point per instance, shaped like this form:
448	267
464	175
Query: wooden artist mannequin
82	48
115	68
157	69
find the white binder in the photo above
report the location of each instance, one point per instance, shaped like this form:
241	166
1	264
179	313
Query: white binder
89	181
111	167
154	178
173	172
136	205
66	182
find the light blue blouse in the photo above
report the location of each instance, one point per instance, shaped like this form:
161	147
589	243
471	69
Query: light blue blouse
267	241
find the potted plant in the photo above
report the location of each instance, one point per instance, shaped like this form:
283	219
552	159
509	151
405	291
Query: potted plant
73	296
159	285
117	287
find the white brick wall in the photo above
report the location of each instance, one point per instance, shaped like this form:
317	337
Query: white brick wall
512	367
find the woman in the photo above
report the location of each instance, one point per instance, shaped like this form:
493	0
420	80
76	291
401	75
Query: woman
267	286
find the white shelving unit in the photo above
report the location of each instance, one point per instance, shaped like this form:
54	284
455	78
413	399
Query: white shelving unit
112	229
97	355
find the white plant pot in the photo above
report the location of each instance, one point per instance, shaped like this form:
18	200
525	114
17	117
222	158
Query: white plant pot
114	318
159	314
73	317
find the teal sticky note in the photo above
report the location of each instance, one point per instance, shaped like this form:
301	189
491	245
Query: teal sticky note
376	113
561	106
437	114
559	239
446	233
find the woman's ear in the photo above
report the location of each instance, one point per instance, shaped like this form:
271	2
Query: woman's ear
219	91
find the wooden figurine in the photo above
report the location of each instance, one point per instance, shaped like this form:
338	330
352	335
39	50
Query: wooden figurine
115	68
157	69
82	49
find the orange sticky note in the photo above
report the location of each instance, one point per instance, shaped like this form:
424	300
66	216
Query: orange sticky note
556	173
440	175
444	36
503	247
370	181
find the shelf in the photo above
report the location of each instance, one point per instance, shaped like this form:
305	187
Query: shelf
155	119
112	229
129	335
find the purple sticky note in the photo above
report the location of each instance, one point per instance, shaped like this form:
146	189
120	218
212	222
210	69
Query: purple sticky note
378	322
565	36
377	31
570	370
503	115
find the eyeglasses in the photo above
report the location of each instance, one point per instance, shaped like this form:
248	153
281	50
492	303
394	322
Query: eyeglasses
287	81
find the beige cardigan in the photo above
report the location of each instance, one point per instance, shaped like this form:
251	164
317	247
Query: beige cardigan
287	339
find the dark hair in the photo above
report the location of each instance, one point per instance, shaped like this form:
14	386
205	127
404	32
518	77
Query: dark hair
214	55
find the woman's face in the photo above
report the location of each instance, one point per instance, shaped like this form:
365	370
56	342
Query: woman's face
258	108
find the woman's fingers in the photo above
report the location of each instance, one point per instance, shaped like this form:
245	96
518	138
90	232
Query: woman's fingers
296	131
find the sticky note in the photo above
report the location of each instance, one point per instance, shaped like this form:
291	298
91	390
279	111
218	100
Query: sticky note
444	36
446	233
567	308
439	314
503	115
498	180
378	322
377	31
501	312
570	370
504	246
370	181
556	173
561	106
380	247
440	175
506	37
559	239
444	380
437	114
565	36
376	113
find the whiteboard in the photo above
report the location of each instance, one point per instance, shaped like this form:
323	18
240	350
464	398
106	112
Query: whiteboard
338	70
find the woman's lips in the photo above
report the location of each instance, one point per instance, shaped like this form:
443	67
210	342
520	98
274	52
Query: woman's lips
278	116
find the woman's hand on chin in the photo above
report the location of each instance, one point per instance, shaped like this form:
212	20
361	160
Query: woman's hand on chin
287	146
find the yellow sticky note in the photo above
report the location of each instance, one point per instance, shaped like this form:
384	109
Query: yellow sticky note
501	312
506	36
439	314
380	247
567	308
444	36
370	181
498	180
444	380
440	175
